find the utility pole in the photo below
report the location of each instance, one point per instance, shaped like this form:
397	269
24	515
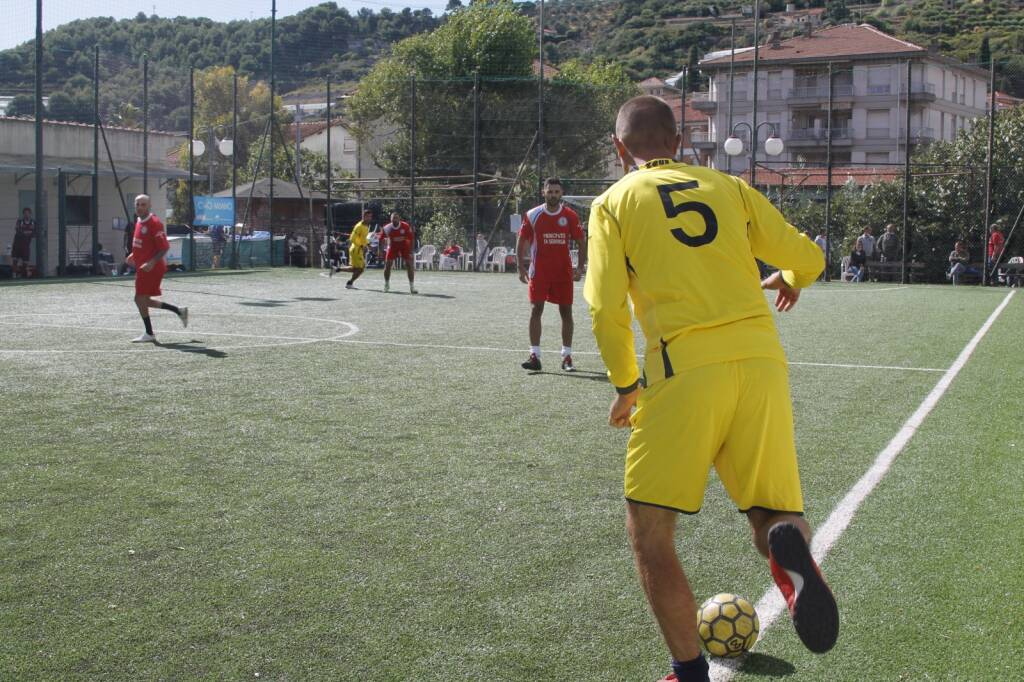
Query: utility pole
42	239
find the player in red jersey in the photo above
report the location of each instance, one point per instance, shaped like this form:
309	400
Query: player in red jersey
400	237
149	245
547	230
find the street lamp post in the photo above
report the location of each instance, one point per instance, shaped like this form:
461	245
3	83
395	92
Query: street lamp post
773	146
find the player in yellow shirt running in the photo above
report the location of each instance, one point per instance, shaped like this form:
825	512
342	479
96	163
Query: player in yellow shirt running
357	243
680	241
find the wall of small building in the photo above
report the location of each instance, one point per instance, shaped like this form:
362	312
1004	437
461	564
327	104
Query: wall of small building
17	192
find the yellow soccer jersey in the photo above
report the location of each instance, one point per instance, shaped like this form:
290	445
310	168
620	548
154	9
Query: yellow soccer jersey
360	235
680	241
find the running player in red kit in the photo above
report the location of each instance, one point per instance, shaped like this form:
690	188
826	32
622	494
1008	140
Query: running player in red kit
400	240
547	230
149	245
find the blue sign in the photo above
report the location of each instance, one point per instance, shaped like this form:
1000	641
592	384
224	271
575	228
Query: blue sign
214	211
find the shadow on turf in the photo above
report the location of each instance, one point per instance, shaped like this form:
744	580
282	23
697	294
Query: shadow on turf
406	293
189	347
578	374
263	304
765	666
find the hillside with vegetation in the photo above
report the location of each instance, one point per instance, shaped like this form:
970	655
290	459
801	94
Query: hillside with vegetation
646	37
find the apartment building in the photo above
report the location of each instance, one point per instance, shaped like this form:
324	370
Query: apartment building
869	90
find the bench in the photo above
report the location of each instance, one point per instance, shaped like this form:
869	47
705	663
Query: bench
892	271
79	263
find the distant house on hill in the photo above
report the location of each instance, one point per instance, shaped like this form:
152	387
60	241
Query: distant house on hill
870	97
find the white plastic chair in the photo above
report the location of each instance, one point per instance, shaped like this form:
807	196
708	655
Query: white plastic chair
845	275
425	256
496	259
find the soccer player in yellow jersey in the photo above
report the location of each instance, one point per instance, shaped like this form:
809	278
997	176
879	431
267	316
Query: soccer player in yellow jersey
680	242
357	243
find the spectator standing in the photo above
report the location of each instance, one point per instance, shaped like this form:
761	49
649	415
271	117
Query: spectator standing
888	245
821	241
217	239
480	255
868	242
996	244
21	251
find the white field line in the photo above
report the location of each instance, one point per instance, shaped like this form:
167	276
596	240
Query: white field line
771	605
176	332
555	351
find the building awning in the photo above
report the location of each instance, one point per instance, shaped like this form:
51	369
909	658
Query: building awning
26	163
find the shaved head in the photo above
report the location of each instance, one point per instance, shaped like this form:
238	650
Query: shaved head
646	127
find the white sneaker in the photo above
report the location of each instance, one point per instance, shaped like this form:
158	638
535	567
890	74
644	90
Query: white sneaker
349	285
183	316
387	287
145	338
412	290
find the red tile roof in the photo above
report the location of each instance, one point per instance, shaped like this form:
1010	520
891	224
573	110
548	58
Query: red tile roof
549	71
849	40
694	118
1005	101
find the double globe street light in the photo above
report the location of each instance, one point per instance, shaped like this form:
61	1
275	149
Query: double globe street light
773	146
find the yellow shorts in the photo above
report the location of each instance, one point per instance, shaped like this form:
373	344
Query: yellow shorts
356	258
737	416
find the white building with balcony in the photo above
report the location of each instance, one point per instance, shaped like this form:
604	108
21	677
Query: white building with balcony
869	97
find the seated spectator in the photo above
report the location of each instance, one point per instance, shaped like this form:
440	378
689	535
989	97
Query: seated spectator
959	263
858	266
104	261
450	256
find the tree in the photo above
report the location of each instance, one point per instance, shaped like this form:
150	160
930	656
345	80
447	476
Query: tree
493	40
23	105
693	77
213	112
836	11
984	52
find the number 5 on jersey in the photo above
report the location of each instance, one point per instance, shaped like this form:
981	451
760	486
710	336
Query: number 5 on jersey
673	209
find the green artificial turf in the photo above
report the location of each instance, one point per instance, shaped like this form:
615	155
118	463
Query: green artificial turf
311	483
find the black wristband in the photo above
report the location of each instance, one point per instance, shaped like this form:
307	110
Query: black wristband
626	390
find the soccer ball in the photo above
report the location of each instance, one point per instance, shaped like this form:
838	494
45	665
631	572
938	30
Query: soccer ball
727	625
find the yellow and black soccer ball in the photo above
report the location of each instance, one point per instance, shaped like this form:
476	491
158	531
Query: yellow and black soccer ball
727	625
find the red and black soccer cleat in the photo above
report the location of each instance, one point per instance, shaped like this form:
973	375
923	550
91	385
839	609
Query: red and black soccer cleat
567	365
811	604
533	363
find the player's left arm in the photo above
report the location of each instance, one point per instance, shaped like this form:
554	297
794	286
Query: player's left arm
607	292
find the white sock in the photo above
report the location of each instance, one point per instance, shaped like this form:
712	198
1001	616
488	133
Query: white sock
566	350
535	350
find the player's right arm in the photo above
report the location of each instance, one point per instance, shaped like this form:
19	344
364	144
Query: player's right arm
778	243
607	292
523	240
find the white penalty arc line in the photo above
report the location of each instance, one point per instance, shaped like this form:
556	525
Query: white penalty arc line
771	605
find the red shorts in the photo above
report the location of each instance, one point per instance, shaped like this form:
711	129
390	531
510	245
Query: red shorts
148	283
553	292
395	253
